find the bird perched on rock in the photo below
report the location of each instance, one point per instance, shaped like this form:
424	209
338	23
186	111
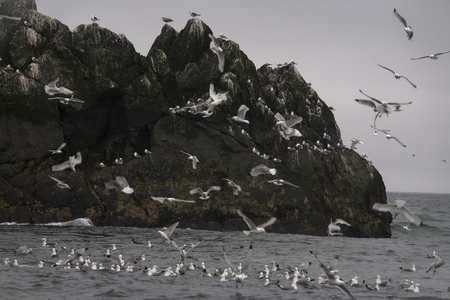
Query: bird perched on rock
166	20
194	14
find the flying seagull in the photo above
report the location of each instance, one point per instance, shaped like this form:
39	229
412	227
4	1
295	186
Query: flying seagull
398	76
183	250
253	227
121	184
167	232
355	141
408	30
166	20
51	89
388	135
438	263
58	150
398	209
94	18
239	272
204	195
65	100
236	188
333	279
170	200
10	18
431	56
59	183
334	228
71	163
262	170
380	107
282	182
215	48
242	110
193	158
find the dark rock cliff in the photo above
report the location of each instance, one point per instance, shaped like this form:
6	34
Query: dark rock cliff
133	103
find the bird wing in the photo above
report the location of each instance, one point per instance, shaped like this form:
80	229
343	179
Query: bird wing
213	188
383	207
53	83
386	68
249	258
400	18
398	103
440	53
293	121
398	141
184	201
427	56
56	179
121	182
176	245
62	166
279	117
10	18
249	222
366	102
411	217
196	190
61	146
345	290
243	109
371	98
291	184
415	86
185	153
78	159
171	228
325	269
111	185
227	260
268	223
340	221
385	131
159	199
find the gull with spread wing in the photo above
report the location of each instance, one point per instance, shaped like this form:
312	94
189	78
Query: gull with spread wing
59	183
121	184
398	76
408	30
170	200
398	209
193	158
239	272
253	227
204	195
431	56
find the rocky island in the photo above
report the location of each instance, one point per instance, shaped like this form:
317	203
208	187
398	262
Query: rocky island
147	111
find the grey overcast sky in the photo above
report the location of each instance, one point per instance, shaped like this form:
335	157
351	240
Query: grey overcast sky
337	45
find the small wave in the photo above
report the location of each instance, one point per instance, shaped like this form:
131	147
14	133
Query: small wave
76	222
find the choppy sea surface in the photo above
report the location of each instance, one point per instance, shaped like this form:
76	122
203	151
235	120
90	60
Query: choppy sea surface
360	257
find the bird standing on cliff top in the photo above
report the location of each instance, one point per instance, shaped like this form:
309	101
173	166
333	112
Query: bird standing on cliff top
431	56
166	20
408	30
193	158
398	76
253	227
94	18
194	14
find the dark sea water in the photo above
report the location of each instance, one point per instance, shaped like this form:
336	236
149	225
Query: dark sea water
358	257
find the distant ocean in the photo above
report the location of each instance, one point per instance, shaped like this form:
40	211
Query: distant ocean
360	257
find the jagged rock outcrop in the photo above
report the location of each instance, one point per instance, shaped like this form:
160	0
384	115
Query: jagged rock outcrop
157	102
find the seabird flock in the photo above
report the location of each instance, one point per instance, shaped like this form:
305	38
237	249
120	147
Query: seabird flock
75	258
381	107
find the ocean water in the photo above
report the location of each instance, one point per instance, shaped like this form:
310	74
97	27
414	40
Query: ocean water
365	258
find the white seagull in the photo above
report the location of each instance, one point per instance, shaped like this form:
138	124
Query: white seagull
51	89
58	150
170	200
253	227
431	56
94	18
71	163
236	188
215	48
204	195
121	184
388	135
398	76
239	271
282	182
438	263
408	30
262	170
355	141
166	233
334	228
398	209
193	158
242	110
59	183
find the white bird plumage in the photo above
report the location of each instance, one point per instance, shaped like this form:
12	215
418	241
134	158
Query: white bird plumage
253	227
193	158
121	184
398	209
71	163
215	48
